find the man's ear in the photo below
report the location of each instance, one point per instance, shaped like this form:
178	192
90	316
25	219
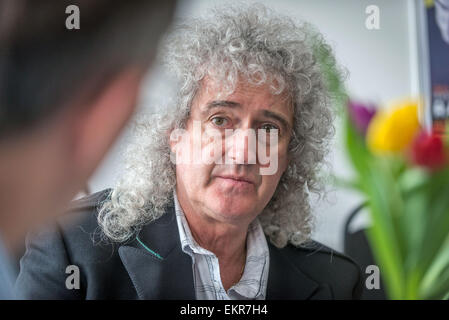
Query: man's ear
99	123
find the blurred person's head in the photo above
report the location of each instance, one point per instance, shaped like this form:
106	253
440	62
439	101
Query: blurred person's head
238	68
65	95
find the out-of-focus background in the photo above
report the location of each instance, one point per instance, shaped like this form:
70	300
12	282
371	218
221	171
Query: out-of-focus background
382	65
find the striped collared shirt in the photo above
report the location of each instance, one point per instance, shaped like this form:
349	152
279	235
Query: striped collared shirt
206	270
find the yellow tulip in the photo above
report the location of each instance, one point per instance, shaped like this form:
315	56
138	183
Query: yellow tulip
393	130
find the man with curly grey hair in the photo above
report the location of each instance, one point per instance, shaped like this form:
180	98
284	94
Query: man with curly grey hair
214	202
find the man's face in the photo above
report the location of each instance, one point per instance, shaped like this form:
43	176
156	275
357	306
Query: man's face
235	188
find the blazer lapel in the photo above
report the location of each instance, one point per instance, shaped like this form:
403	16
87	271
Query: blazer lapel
286	281
155	262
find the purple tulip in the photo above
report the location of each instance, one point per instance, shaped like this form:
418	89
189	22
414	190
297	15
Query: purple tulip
361	115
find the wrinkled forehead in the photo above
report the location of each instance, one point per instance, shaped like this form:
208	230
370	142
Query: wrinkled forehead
244	91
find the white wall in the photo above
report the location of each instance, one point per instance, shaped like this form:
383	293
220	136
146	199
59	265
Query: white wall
380	68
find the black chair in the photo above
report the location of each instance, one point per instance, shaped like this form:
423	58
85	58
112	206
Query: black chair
357	247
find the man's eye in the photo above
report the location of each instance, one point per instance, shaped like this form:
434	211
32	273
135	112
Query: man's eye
268	127
219	121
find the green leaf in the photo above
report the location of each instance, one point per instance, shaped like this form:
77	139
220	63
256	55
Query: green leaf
384	203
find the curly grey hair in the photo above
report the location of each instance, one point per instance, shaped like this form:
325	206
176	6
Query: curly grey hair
262	47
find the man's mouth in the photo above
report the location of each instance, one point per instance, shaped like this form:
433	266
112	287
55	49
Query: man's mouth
238	179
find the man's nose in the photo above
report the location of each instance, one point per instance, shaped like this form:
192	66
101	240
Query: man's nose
242	146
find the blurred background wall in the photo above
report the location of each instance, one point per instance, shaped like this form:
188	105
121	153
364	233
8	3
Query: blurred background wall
382	65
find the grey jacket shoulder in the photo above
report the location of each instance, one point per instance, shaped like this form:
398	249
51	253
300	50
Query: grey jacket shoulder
89	204
80	231
75	240
83	212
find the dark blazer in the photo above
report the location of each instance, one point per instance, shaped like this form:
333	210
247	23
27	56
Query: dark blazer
130	271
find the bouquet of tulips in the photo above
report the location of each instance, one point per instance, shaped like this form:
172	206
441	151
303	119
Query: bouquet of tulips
403	171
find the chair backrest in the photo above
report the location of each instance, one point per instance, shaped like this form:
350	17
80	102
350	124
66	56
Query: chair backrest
356	246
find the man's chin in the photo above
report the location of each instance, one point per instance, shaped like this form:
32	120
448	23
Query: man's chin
235	211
